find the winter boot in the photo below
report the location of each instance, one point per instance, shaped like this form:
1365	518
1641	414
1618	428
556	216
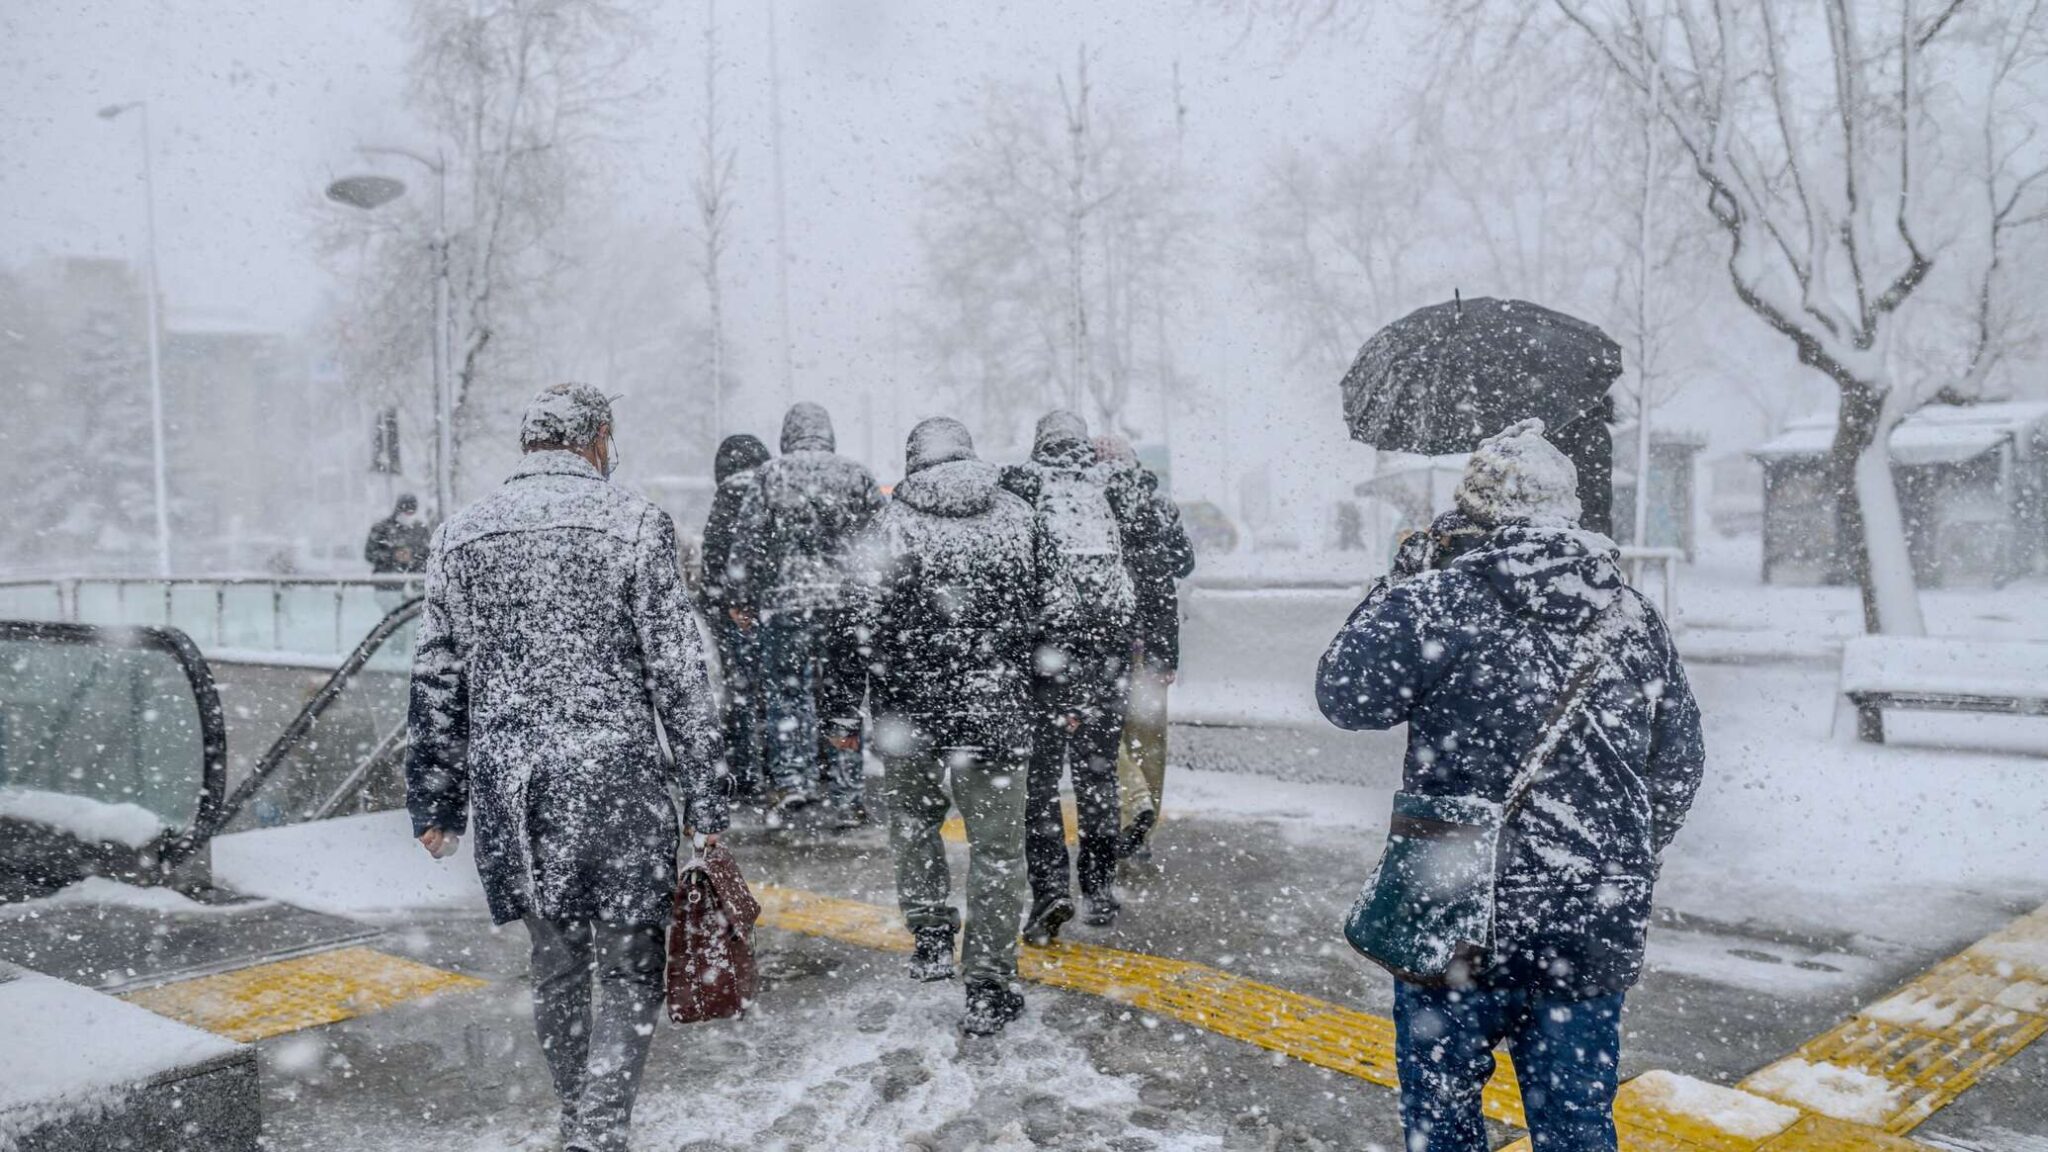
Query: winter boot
849	817
1135	842
933	959
990	1005
1042	927
785	806
1102	908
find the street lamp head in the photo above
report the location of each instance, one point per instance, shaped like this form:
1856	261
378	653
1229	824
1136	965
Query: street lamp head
365	192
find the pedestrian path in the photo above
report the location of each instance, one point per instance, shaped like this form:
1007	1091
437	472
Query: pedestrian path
1862	1085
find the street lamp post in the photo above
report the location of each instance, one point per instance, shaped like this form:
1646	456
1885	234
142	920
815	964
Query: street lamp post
371	192
156	380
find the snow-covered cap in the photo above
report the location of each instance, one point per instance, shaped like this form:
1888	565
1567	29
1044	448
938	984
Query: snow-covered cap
568	415
1515	476
939	440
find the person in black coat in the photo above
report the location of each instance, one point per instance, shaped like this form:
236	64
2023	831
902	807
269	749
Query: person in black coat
1473	656
796	528
739	645
398	543
1087	605
948	615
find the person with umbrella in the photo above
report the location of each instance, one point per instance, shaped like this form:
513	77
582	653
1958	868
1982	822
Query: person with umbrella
1544	697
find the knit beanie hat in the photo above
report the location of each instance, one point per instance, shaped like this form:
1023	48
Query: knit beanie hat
1516	475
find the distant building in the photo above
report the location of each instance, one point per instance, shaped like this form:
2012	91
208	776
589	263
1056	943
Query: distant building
1973	489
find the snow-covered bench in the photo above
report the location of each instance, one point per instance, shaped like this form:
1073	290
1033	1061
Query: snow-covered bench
1941	675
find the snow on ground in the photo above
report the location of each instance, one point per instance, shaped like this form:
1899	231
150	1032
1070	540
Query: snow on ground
822	1063
360	866
102	892
1731	1110
70	1049
94	821
1830	1089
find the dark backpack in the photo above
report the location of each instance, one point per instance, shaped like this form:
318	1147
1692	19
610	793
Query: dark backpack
1087	585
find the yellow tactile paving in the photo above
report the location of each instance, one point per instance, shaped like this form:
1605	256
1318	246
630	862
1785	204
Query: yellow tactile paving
1933	1038
1941	1031
1303	1027
304	992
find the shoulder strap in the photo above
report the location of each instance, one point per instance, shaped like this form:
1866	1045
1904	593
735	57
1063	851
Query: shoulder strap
1585	666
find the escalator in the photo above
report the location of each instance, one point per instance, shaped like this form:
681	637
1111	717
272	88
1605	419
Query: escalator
116	778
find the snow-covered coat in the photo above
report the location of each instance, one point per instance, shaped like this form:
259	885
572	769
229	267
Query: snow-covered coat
800	518
1062	451
1473	657
554	627
949	599
1158	553
733	468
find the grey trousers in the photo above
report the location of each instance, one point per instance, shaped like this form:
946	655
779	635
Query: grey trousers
595	1059
988	788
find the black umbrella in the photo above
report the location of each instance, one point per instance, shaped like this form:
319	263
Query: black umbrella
1445	377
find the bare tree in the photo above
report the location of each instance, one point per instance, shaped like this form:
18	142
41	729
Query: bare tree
1818	180
514	96
1055	236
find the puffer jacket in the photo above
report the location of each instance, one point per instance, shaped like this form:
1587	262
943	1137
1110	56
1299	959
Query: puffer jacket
799	519
949	595
1473	658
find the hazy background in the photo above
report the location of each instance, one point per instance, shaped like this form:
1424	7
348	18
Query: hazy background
257	106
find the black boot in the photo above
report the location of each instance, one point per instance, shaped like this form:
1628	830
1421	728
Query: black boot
990	1005
1102	908
1133	843
1042	927
933	958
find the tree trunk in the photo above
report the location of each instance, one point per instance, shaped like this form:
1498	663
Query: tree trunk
1870	532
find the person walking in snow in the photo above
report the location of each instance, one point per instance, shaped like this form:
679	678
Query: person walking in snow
949	602
1157	551
738	635
796	526
555	641
397	544
1086	609
1479	658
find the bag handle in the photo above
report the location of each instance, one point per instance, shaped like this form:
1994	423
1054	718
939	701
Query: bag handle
1585	665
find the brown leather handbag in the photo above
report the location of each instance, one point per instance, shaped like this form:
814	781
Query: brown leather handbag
711	942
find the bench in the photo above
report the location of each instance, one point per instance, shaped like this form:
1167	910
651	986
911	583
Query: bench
1941	675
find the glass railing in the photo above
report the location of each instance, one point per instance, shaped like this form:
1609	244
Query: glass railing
290	618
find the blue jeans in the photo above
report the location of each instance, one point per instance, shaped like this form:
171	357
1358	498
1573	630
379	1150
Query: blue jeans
810	693
790	643
1565	1056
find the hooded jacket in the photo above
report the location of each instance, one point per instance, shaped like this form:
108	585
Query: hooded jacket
1472	657
733	467
799	519
554	632
949	594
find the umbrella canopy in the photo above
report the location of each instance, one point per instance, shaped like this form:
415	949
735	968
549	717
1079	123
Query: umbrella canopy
1445	377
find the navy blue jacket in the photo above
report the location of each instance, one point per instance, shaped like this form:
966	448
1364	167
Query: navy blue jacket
1472	658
